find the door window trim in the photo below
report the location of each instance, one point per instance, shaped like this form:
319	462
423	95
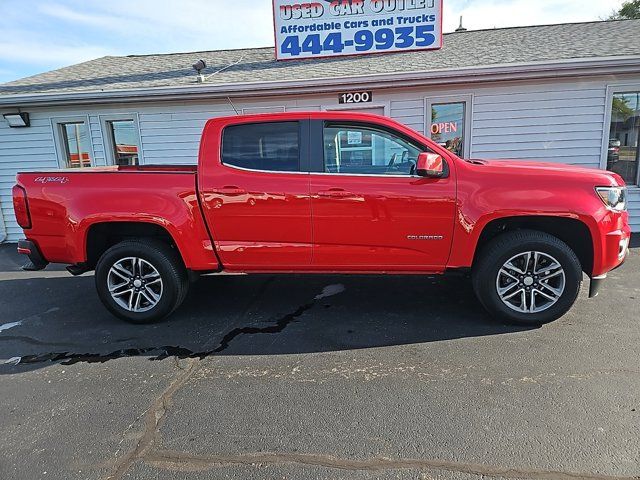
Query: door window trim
107	141
612	89
467	99
58	140
303	147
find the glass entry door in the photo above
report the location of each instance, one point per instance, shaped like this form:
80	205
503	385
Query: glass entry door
449	123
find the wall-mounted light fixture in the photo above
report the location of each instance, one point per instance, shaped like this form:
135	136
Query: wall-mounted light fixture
17	120
198	67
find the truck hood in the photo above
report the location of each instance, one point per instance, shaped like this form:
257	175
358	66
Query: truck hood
520	167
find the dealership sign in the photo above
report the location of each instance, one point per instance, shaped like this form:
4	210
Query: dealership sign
349	27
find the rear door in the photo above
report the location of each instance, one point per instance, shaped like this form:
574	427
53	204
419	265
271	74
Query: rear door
255	195
370	211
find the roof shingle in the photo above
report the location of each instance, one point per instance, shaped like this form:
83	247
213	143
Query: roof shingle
479	48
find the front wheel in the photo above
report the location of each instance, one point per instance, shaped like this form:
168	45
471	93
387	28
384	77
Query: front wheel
527	277
141	281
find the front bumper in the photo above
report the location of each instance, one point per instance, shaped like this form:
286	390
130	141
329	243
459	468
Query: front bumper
31	250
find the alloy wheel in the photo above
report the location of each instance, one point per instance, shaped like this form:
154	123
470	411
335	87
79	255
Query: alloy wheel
135	284
530	282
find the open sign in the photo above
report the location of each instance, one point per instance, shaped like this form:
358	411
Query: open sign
444	127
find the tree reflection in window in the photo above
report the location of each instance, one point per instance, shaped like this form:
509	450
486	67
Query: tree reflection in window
623	149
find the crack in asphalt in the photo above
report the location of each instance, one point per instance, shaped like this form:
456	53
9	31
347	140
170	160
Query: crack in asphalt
173	460
156	414
67	358
279	326
154	418
160	353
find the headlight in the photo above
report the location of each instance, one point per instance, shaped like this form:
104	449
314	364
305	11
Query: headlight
614	198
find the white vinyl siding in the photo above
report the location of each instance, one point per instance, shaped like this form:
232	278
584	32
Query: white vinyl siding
409	112
634	208
97	143
557	123
23	149
171	134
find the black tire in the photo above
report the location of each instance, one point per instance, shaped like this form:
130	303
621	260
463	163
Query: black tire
503	248
165	260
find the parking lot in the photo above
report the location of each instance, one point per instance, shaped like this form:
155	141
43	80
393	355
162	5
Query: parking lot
306	377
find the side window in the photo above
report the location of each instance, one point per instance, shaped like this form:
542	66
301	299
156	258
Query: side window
367	151
271	147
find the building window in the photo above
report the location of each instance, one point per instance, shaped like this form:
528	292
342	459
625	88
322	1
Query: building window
449	123
124	142
121	136
623	151
73	142
273	147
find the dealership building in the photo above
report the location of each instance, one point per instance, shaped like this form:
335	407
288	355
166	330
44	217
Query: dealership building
558	93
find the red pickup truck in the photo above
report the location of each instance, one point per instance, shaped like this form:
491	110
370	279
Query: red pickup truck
327	192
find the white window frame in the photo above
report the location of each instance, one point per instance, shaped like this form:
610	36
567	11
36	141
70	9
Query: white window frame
61	149
468	112
107	141
612	89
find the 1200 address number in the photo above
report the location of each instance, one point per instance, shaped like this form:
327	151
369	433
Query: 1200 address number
363	41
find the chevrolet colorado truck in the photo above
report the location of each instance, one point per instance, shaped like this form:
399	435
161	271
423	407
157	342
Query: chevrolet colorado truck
327	192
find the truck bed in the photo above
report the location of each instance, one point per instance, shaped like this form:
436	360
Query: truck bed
66	205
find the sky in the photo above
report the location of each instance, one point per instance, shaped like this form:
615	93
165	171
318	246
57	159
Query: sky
41	35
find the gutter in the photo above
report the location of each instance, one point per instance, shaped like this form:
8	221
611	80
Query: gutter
504	72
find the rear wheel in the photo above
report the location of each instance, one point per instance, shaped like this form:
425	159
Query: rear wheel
141	281
527	277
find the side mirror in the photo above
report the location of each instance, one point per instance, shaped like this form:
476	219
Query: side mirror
430	165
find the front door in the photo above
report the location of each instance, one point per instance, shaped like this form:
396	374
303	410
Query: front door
370	212
256	199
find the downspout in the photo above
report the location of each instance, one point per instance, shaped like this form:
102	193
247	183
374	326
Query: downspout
3	233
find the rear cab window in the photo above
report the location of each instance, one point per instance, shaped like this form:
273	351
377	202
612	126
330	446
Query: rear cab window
269	146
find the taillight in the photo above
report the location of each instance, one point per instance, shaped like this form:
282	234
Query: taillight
21	206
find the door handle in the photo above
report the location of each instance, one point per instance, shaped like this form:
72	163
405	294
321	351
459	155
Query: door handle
229	190
335	193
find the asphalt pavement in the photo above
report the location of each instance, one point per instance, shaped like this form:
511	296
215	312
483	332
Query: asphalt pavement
304	377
